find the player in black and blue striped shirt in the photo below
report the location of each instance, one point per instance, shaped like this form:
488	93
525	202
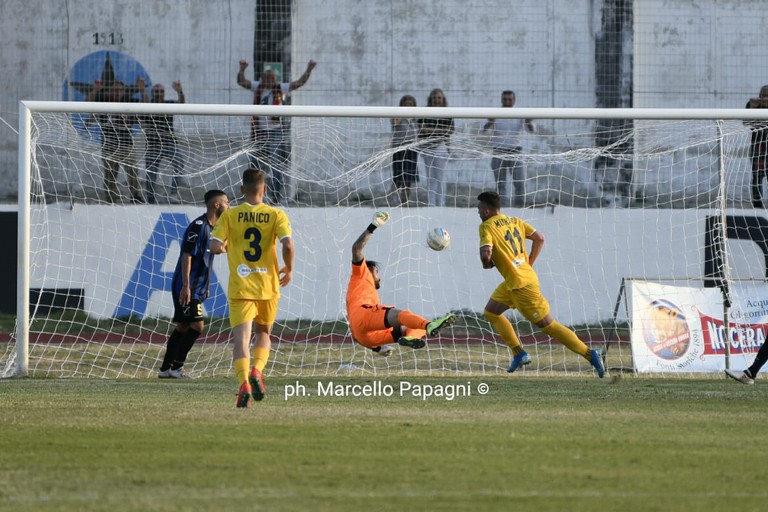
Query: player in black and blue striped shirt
191	282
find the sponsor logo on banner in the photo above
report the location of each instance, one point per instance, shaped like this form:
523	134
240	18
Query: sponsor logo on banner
745	338
675	328
666	330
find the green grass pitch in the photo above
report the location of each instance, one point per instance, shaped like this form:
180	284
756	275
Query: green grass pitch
529	443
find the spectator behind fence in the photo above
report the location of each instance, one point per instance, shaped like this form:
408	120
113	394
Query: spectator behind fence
116	139
404	171
268	133
436	133
162	144
506	144
758	148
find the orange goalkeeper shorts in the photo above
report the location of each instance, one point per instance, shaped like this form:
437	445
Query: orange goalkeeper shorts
367	325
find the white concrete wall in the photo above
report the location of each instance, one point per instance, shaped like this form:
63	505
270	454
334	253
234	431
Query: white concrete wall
705	53
373	53
586	255
702	54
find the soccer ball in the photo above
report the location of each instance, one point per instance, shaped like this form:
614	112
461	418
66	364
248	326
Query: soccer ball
438	239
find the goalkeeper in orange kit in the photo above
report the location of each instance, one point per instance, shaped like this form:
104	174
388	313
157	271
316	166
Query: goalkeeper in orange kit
373	324
503	246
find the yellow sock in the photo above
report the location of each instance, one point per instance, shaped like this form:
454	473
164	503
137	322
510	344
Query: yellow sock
242	367
260	357
504	327
568	338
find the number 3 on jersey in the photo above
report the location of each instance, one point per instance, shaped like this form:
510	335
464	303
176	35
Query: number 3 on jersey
254	235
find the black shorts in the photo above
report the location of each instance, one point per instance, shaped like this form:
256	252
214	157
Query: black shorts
192	312
404	171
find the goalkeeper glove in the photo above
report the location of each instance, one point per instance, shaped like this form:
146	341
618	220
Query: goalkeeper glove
379	219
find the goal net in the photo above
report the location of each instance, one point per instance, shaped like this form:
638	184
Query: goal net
616	193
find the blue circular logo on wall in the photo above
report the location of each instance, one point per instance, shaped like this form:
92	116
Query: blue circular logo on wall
108	66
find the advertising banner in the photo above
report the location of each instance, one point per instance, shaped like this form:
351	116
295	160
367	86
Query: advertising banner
681	329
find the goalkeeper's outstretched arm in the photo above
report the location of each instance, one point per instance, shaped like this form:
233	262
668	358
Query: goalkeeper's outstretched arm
379	219
359	245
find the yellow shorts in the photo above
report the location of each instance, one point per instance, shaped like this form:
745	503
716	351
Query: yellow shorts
527	300
263	312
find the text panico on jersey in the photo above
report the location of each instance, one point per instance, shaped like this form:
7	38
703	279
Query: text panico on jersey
250	232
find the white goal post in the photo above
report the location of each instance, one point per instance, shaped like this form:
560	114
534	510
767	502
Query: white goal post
616	192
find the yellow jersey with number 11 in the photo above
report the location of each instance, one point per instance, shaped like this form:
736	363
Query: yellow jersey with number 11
507	238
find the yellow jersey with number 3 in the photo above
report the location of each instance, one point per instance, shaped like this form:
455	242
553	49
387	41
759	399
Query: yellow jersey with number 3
507	238
251	232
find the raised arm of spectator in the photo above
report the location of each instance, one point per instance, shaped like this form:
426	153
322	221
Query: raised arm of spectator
529	125
179	90
304	77
241	80
145	97
141	86
97	86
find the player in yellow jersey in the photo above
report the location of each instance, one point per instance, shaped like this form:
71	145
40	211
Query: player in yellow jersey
373	324
503	245
249	233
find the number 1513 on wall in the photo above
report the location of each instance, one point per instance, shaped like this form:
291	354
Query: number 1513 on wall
107	38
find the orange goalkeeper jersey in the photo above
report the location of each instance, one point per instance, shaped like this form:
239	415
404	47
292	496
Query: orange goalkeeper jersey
361	290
